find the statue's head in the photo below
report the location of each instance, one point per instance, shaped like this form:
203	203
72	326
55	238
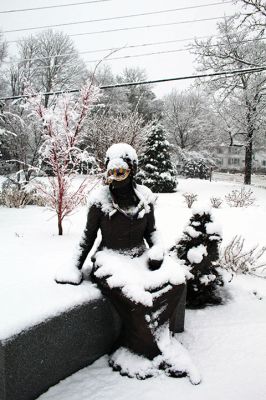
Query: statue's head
121	163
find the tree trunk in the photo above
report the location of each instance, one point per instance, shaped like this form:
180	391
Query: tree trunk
249	144
248	163
60	227
46	100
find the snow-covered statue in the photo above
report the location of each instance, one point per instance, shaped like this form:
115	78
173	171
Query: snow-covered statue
130	267
199	247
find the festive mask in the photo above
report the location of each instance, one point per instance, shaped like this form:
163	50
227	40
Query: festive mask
117	170
117	174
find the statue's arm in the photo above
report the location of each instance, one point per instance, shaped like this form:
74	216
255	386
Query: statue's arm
154	241
149	234
71	273
89	235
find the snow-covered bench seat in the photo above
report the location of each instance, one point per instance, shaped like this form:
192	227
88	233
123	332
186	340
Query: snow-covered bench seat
39	357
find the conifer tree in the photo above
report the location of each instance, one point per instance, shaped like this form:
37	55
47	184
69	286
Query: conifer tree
156	169
199	248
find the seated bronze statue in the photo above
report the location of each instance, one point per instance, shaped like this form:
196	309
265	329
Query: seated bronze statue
130	268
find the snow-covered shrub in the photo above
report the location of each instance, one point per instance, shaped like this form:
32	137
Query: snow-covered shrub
240	198
196	168
216	202
19	198
236	259
190	198
199	248
156	168
89	166
13	196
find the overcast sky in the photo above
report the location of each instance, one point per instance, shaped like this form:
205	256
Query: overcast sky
157	66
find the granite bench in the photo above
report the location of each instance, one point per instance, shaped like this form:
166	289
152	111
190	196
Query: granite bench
38	358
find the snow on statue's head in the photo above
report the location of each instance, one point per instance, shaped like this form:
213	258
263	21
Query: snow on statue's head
121	160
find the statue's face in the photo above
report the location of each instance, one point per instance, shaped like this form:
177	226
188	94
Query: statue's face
117	174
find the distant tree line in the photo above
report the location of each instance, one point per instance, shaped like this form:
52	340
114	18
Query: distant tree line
195	121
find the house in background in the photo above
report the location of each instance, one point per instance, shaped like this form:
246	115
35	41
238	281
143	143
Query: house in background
232	158
260	160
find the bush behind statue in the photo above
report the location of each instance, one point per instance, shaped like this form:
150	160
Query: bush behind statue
196	168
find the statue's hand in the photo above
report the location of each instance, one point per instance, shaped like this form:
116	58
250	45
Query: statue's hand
155	257
71	276
154	264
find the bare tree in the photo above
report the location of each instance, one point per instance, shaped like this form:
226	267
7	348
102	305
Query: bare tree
3	48
140	98
61	130
188	120
255	14
114	100
236	49
21	141
104	129
47	61
3	54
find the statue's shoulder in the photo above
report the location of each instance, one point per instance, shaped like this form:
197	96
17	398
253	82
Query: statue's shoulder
145	194
100	197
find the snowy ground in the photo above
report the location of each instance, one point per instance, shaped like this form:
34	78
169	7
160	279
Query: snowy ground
256	180
227	343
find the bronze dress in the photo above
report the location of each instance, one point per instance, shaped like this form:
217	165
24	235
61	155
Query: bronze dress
131	233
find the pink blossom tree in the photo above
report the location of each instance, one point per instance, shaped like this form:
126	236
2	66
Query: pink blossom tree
62	123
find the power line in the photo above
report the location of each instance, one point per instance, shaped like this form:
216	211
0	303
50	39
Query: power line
118	17
149	26
138	55
108	49
126	48
54	6
118	58
106	58
142	27
128	84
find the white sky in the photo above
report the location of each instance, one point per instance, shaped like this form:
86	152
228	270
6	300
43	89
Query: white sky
157	66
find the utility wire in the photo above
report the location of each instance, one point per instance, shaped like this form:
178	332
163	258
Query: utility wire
141	27
109	49
128	84
41	67
150	26
118	17
126	48
54	6
137	55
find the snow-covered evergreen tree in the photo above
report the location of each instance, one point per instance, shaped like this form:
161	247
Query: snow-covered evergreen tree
156	168
199	248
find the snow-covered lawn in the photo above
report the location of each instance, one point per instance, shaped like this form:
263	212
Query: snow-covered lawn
227	343
256	180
